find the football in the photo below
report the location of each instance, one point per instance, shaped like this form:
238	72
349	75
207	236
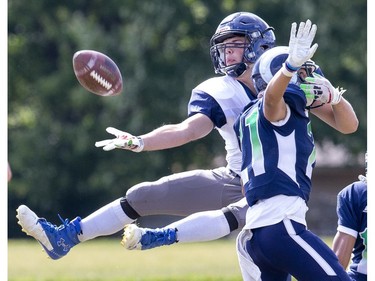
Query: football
97	73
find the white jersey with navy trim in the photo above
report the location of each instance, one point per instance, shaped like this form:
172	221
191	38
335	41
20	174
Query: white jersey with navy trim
222	99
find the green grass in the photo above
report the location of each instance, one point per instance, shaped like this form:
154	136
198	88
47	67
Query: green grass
106	259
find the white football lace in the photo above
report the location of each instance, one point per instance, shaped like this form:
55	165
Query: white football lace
100	80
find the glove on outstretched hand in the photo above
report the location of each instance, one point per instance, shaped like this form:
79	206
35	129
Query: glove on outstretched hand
299	45
322	90
123	140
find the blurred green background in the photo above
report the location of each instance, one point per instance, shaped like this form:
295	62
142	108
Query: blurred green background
162	49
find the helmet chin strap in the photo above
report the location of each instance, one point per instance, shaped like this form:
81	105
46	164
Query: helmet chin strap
236	70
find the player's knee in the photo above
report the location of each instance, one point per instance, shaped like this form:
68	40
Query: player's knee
231	218
128	209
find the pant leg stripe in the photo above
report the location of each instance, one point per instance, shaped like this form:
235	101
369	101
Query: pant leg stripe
310	250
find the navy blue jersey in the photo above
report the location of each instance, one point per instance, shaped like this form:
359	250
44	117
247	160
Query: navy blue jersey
352	220
278	157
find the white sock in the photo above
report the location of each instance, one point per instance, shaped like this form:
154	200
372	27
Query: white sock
105	221
202	226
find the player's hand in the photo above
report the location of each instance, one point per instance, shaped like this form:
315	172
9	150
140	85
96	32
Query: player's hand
322	90
123	140
300	49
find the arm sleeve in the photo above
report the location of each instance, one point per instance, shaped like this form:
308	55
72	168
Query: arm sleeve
201	102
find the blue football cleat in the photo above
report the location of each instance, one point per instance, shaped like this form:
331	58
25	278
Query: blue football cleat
137	238
55	240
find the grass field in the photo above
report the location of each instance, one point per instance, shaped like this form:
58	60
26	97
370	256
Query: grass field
106	259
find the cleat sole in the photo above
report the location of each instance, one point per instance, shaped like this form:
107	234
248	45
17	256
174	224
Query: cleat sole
28	220
132	237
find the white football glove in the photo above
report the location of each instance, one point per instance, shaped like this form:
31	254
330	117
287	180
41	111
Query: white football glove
123	140
322	89
299	46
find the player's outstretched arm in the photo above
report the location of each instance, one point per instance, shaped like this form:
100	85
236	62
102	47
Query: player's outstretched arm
164	137
300	50
193	128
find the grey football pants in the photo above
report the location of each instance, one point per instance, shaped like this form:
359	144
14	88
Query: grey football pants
189	192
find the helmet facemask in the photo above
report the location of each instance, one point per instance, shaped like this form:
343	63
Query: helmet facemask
306	70
258	34
219	51
252	49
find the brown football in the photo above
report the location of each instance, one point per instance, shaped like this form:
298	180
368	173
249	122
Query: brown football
97	73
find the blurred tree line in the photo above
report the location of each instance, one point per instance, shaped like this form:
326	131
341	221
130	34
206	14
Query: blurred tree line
162	49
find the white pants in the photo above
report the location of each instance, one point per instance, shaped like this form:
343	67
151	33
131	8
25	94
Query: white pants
249	270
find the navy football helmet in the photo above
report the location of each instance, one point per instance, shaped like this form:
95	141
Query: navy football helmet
271	61
259	38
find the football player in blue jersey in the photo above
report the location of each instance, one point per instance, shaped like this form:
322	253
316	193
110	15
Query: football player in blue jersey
350	241
205	226
278	157
215	104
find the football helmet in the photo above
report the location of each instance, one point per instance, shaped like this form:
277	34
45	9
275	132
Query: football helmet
271	61
258	34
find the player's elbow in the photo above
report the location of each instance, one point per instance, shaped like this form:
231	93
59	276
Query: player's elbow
350	128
